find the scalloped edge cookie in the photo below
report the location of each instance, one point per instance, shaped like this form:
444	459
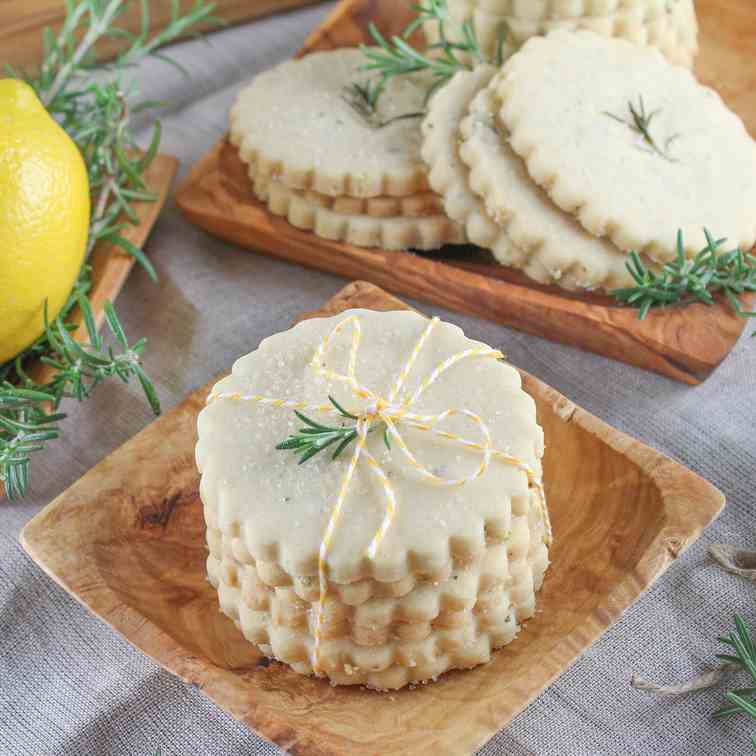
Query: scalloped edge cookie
556	249
294	123
448	175
425	232
387	643
280	367
622	191
413	206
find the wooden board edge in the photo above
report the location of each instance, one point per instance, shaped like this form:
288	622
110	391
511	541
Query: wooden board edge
110	265
318	38
614	332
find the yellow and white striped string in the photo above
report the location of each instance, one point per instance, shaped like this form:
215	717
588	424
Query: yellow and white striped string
390	412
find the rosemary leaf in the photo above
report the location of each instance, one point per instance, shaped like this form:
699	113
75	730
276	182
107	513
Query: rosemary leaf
640	122
316	437
395	56
683	281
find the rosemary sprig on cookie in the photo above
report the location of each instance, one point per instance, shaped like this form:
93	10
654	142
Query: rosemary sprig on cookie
315	437
686	280
397	57
360	97
640	121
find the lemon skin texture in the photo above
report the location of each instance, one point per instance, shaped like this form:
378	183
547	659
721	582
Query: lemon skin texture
44	216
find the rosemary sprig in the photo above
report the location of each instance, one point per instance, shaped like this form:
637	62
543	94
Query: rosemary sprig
685	280
97	116
360	98
397	57
743	655
314	437
25	423
640	122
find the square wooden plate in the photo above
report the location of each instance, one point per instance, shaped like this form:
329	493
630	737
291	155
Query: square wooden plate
686	344
127	540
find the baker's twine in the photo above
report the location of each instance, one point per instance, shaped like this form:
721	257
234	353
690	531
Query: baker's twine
392	412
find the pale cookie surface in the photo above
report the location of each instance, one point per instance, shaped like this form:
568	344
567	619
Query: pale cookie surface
561	97
281	508
449	176
411	206
426	232
296	124
555	248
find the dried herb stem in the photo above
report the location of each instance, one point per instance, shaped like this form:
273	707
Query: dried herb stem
640	121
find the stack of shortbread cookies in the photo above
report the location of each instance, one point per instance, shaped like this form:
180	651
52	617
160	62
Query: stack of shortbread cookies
582	148
576	150
318	159
667	25
457	571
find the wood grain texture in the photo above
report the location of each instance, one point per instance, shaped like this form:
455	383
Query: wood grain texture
22	22
110	265
686	344
127	540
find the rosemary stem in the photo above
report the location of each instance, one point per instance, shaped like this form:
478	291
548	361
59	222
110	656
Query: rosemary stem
111	181
98	27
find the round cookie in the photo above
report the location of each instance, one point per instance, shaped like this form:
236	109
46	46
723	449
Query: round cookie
565	100
392	615
449	176
556	249
425	232
298	123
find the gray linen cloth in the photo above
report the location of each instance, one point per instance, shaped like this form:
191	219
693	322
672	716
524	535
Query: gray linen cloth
69	685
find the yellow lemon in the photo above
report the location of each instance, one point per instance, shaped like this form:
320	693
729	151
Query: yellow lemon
44	216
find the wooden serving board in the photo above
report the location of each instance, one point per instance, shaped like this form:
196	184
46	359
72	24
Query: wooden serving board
127	540
22	22
686	344
110	265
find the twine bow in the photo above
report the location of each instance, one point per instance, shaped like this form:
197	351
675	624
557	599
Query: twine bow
392	411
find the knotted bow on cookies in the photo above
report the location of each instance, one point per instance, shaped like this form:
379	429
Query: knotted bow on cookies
391	412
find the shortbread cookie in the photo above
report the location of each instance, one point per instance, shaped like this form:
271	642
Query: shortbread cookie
555	248
674	33
426	232
424	554
301	123
412	206
449	176
578	141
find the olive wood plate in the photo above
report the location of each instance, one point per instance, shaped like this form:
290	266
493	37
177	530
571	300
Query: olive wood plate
127	541
686	344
